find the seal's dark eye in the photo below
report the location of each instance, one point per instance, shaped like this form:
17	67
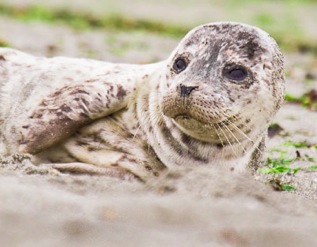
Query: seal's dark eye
236	74
179	65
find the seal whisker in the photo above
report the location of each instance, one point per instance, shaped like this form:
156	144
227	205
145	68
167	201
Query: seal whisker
217	133
226	137
237	140
244	134
236	127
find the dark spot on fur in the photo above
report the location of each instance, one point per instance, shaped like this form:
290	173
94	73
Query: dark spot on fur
149	168
245	36
121	93
59	114
56	93
215	52
92	149
23	141
224	123
84	115
37	115
169	138
267	81
248	131
185	139
189	42
2	58
25	126
200	159
269	67
166	132
81	143
251	48
86	103
80	91
219	146
65	108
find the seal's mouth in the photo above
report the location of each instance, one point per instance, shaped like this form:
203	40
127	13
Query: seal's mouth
188	121
182	116
185	112
187	117
219	133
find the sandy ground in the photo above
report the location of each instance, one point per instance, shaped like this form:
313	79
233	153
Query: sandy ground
190	207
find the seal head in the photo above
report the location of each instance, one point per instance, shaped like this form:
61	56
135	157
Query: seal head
224	83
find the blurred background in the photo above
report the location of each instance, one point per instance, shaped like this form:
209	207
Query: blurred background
23	22
144	31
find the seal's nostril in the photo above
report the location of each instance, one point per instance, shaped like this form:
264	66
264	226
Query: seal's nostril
185	91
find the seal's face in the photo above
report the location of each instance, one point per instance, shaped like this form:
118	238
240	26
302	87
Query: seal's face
223	81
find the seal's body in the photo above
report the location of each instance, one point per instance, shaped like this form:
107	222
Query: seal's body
210	103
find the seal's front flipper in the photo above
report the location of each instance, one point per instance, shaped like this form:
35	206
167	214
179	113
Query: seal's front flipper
68	108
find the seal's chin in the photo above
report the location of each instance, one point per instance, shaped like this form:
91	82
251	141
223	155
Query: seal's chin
216	133
215	127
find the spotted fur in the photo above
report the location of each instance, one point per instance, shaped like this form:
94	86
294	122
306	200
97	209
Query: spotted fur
92	116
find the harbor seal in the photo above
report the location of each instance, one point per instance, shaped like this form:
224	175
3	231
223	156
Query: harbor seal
210	103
